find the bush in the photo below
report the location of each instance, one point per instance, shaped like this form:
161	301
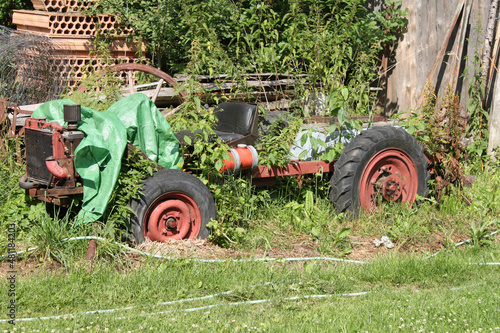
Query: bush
6	8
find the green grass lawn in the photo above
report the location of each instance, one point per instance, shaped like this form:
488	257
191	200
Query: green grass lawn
449	292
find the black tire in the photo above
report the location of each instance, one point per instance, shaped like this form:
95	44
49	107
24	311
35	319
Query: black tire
177	198
371	163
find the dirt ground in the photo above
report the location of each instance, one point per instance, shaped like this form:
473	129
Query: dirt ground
363	249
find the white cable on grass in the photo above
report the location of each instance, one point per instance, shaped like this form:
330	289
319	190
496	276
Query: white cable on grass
20	252
71	315
233	260
465	242
195	260
260	301
214	295
209	306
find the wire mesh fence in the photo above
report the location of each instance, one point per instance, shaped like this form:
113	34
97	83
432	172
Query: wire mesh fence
32	68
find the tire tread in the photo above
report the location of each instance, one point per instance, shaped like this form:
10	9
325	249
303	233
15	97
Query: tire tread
343	194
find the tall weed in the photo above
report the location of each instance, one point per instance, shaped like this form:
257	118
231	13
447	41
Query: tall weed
336	43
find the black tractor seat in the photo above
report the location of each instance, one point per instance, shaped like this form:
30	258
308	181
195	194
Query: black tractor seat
237	124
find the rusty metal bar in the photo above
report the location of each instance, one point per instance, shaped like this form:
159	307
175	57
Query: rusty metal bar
57	192
293	168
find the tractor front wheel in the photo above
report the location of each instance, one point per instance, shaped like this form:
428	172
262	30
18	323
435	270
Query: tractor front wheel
172	205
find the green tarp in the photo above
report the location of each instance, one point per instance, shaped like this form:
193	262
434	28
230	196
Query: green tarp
98	157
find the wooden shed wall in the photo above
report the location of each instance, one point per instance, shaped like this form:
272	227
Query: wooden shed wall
415	54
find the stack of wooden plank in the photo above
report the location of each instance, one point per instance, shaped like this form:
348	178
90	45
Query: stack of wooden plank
73	33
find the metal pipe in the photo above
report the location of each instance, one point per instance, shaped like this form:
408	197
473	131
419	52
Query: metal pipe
24	183
55	169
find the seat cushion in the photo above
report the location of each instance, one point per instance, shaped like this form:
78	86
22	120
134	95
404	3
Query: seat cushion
235	118
227	137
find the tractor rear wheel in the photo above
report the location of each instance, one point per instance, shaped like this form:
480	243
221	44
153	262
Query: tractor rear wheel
380	164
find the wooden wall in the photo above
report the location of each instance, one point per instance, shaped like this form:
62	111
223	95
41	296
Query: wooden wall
415	55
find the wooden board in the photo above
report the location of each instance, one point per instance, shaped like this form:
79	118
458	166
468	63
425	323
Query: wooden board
416	52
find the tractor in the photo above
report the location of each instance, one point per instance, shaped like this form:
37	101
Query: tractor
383	163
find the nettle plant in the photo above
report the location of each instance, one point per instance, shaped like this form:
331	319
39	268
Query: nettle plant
337	44
440	125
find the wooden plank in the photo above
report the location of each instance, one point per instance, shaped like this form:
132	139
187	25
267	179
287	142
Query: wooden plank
255	76
493	68
459	50
439	58
494	123
39	5
82	43
69	23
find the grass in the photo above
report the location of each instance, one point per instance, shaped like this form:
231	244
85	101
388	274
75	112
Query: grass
445	293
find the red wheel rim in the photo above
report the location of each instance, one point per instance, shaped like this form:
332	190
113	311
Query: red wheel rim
390	175
174	215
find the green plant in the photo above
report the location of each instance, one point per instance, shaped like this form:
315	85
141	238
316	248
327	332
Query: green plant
15	208
480	232
49	235
337	44
135	168
454	203
343	129
236	203
484	194
439	294
274	147
448	241
440	125
102	87
6	8
404	224
477	128
302	214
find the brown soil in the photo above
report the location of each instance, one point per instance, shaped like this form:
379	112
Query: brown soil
363	249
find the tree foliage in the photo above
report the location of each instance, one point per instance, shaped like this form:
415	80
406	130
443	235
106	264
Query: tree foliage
337	43
6	8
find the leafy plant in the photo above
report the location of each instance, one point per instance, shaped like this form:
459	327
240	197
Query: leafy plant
477	128
337	44
403	224
479	232
14	206
49	234
102	87
6	8
274	146
135	168
302	214
338	133
440	125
